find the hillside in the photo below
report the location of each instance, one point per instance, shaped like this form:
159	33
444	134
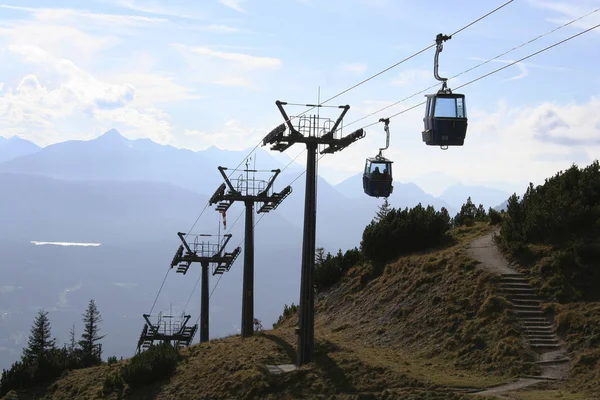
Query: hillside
431	316
385	337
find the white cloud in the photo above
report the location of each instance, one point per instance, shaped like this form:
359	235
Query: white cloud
221	28
354	68
152	7
62	14
242	60
233	4
233	136
569	12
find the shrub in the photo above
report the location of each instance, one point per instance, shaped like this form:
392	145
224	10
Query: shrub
287	312
111	360
112	382
329	270
154	364
494	216
564	212
404	231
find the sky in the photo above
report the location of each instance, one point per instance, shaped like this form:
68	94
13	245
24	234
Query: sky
195	74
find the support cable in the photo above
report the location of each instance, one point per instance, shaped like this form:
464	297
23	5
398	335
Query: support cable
312	107
474	67
496	70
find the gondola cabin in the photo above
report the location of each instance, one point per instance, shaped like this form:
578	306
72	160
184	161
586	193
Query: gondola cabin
445	120
377	178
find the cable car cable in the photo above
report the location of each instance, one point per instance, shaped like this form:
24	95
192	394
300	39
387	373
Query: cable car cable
376	75
414	55
472	68
499	69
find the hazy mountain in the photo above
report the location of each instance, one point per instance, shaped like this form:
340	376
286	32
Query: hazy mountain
456	195
112	157
404	195
15	147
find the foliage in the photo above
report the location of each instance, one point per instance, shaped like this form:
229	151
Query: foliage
494	216
91	351
383	210
40	361
40	342
564	213
331	269
469	214
113	382
154	364
287	312
404	231
111	360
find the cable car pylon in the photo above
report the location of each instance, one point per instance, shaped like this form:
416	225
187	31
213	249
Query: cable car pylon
313	131
249	191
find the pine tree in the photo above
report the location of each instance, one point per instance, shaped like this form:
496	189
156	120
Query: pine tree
89	347
40	342
384	210
72	342
319	256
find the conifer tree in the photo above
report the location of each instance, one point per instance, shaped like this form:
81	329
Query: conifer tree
40	342
384	210
90	349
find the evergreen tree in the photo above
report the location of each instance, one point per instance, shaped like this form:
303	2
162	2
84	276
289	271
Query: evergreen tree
319	256
90	349
384	209
40	342
72	342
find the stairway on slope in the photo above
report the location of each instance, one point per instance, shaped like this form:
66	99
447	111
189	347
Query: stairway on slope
538	330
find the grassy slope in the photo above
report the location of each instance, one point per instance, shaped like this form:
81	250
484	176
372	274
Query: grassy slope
422	328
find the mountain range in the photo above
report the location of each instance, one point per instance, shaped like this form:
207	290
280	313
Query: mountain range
132	196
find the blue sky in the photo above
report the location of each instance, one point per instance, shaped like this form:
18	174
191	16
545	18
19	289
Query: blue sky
195	74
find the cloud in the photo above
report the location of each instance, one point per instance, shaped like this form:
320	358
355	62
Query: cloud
233	4
61	14
569	12
232	136
354	68
242	60
152	7
221	28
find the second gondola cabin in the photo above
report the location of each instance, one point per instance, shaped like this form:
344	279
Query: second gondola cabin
377	177
445	120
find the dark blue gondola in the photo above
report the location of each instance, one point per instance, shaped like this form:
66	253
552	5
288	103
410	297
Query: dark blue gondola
446	112
377	176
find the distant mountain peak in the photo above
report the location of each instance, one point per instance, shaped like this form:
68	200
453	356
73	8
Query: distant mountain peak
112	134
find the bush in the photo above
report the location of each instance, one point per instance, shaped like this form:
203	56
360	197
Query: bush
469	214
112	382
330	269
564	212
287	312
111	360
494	216
154	364
404	231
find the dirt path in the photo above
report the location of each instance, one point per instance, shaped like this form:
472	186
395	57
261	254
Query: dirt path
485	251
